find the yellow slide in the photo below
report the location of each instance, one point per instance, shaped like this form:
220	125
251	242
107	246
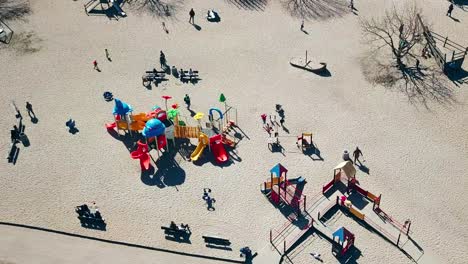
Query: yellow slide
203	142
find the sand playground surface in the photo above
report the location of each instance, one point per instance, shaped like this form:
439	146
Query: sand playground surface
414	153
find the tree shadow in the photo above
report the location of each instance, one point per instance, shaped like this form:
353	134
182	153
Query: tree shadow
158	8
14	9
252	5
316	9
420	85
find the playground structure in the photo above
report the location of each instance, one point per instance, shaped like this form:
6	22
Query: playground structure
152	126
304	142
458	52
285	238
284	191
203	142
6	33
90	7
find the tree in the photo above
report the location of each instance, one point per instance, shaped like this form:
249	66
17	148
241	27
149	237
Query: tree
397	30
14	9
394	61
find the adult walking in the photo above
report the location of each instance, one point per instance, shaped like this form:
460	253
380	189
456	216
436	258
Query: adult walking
192	16
450	9
356	154
187	101
162	60
31	113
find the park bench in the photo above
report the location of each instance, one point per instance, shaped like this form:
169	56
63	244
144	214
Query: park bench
13	154
216	241
186	76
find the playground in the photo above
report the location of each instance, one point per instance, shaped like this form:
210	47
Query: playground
255	160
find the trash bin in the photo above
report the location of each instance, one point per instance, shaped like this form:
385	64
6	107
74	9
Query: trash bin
24	139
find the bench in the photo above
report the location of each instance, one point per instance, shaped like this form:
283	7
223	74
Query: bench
187	75
13	155
216	241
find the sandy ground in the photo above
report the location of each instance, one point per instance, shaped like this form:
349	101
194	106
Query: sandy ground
416	155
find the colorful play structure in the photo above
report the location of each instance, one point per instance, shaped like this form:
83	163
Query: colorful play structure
152	126
283	191
304	142
158	125
345	187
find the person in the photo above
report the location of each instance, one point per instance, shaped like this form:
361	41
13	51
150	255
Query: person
190	73
192	16
187	101
264	117
165	28
107	55
417	65
95	64
316	255
302	25
351	5
356	154
30	110
245	252
174	71
282	121
450	9
162	60
173	225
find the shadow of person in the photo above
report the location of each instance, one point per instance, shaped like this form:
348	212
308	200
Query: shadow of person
363	168
305	32
197	27
455	19
192	113
73	130
285	129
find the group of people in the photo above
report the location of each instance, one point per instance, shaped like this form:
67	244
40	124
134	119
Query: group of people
357	153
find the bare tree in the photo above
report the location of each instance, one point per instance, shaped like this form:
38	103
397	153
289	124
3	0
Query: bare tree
316	9
394	60
157	7
14	9
397	30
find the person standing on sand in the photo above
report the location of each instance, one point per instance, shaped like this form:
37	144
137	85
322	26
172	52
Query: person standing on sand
192	16
356	154
450	9
95	64
162	60
187	101
302	26
107	55
30	110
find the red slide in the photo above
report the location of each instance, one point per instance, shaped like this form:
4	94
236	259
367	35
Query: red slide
218	149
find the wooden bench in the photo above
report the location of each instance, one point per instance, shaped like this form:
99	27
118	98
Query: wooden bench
216	241
187	75
13	155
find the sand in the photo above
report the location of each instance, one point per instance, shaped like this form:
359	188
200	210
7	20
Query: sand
416	154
